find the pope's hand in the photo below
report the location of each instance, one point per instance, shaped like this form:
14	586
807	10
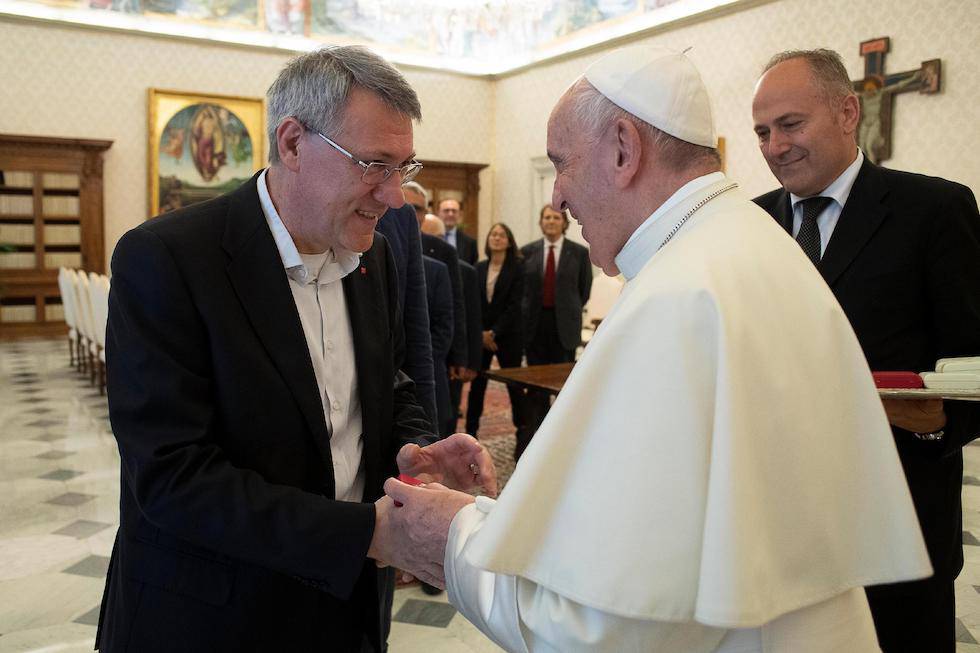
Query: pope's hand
413	536
459	462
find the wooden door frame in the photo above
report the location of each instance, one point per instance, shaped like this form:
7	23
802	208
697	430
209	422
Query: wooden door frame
462	177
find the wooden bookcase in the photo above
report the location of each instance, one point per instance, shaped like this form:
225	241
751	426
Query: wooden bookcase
50	217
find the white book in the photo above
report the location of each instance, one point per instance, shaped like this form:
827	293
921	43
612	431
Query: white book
951	380
961	364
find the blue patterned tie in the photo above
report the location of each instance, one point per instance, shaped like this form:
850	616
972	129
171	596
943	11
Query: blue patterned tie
809	235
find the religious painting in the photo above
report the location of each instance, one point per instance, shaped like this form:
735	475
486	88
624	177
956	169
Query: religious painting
201	146
877	91
285	16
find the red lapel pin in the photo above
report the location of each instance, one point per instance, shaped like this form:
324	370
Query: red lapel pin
363	270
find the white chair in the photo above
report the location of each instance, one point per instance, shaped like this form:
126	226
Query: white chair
605	291
99	301
68	306
86	323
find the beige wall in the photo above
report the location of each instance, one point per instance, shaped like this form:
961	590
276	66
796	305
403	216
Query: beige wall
933	134
82	83
72	82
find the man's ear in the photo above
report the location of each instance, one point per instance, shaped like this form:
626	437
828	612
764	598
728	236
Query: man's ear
850	114
288	134
628	151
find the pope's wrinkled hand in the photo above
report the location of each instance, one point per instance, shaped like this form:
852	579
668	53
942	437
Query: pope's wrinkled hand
413	536
459	462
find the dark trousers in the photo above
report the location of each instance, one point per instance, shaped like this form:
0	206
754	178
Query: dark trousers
508	355
916	617
455	397
544	348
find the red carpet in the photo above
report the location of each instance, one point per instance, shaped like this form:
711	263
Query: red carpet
496	428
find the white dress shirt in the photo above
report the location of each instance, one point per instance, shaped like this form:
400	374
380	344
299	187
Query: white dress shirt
557	245
451	237
837	191
315	281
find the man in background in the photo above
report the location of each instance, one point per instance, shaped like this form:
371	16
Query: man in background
557	283
901	252
442	251
400	227
459	375
439	296
451	214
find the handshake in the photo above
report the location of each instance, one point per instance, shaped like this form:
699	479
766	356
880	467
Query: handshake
412	522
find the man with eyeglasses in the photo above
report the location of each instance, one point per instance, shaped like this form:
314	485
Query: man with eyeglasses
253	349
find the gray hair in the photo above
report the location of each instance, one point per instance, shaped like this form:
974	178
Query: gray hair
314	87
826	67
418	188
594	112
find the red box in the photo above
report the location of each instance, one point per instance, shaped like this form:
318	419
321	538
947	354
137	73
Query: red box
897	380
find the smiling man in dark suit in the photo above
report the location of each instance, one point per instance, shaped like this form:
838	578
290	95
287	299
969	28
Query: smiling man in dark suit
557	284
901	252
253	349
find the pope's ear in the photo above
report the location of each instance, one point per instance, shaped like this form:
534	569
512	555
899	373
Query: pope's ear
288	135
628	149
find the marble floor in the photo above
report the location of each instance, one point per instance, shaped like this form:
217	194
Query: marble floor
59	484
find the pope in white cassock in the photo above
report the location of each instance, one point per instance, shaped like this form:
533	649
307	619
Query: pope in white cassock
717	473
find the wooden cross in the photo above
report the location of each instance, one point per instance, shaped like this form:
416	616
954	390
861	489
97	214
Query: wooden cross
877	91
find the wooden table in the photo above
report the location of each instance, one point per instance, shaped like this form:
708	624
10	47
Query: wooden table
549	378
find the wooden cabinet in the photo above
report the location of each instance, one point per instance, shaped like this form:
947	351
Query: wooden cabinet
50	217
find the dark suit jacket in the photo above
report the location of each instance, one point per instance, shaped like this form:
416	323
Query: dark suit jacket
474	315
466	247
502	315
443	252
439	294
230	538
401	228
573	283
904	262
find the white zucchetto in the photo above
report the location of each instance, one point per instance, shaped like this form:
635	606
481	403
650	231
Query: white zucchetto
659	86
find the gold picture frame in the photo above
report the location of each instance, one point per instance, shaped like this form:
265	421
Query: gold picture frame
201	146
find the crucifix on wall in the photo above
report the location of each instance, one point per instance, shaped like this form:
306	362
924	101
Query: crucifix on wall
877	91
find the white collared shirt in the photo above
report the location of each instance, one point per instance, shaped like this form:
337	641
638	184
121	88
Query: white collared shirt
315	281
838	191
647	238
557	245
451	236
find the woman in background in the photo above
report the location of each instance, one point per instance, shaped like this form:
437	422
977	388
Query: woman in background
501	277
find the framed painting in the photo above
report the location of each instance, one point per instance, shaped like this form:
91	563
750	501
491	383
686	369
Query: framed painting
201	146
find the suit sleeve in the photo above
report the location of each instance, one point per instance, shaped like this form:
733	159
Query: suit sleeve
442	312
509	321
474	317
162	411
410	424
954	288
418	354
585	277
458	352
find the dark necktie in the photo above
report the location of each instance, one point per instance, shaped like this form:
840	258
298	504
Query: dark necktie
548	289
809	235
